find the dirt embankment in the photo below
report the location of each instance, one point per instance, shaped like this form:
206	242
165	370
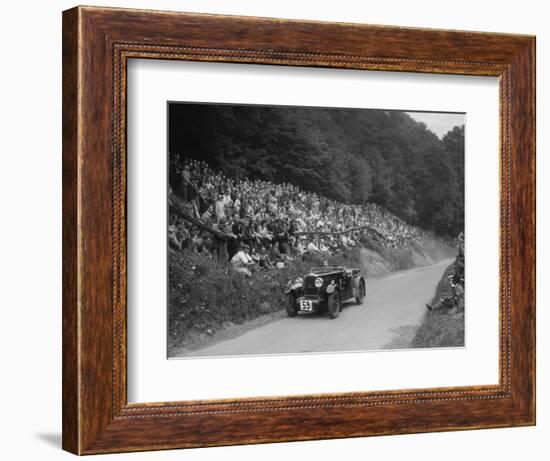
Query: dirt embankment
379	261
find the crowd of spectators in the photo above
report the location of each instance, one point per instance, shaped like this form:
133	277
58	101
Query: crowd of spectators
261	224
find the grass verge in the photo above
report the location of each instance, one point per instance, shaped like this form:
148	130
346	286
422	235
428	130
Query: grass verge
440	328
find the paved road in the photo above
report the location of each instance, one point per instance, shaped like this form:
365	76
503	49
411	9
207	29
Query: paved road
392	310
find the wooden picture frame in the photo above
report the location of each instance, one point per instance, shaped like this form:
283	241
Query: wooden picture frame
97	43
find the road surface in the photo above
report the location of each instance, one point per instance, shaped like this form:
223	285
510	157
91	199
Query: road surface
388	318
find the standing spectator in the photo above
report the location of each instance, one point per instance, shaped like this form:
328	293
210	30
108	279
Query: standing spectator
185	182
207	216
219	208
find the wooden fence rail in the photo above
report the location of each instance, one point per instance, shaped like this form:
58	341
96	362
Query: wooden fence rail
174	208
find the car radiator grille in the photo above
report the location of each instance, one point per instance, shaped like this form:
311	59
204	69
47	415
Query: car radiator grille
309	286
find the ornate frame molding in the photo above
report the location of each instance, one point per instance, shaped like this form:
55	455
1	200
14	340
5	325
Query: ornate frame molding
97	45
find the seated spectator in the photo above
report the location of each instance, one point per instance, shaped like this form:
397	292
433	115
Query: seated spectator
183	234
203	242
312	248
264	232
275	255
173	240
255	255
301	246
206	217
241	261
322	247
454	299
265	261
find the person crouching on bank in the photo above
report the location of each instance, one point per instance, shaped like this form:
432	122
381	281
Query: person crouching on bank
454	301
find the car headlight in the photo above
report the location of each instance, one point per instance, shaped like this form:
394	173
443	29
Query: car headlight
318	282
299	281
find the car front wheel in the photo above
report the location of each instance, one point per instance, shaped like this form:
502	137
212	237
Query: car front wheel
291	305
334	305
359	299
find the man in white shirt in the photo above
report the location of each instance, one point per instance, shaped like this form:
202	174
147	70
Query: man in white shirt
220	208
312	248
322	247
241	260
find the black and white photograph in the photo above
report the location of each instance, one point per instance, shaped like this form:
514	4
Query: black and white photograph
298	229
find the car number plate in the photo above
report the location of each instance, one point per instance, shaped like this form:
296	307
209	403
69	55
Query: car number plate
306	305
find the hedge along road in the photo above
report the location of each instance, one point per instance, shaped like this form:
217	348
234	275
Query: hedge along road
388	318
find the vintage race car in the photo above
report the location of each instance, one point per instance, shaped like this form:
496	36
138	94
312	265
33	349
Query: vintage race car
324	288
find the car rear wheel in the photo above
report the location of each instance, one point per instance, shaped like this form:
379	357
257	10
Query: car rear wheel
359	299
291	305
334	305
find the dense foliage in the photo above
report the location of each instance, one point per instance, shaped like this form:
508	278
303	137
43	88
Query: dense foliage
348	155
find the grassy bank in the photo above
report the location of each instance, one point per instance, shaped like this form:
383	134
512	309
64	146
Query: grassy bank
380	260
439	327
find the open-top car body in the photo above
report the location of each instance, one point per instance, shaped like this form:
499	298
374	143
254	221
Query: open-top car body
325	288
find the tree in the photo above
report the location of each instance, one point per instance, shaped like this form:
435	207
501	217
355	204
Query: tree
349	155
